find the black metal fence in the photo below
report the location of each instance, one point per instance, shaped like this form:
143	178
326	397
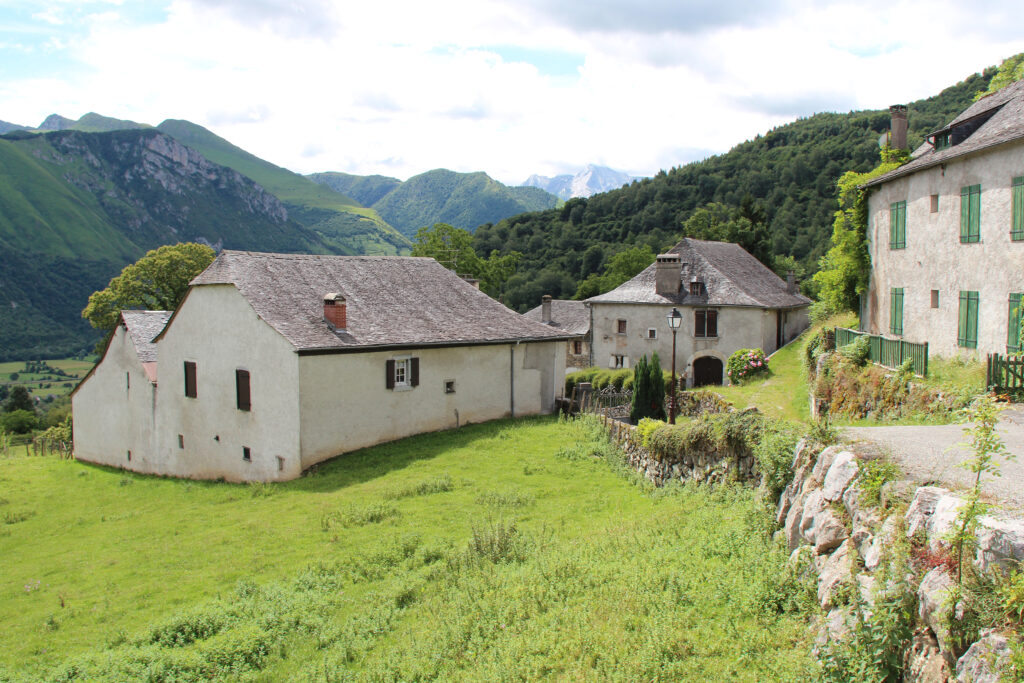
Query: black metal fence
891	353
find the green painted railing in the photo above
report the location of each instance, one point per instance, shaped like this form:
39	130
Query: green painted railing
1004	373
891	353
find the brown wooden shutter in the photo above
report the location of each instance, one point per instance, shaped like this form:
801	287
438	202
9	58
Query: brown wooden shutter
712	318
415	372
699	323
242	392
389	369
191	390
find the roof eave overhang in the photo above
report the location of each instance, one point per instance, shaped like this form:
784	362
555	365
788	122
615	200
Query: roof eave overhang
900	172
329	350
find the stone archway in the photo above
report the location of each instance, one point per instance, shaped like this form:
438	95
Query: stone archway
707	370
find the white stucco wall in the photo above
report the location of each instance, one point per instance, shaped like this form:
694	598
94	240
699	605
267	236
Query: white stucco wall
738	328
217	329
346	405
934	258
113	410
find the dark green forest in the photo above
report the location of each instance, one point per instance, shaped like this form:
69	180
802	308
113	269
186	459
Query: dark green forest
775	195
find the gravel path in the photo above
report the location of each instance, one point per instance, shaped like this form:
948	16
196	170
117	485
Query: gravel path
931	454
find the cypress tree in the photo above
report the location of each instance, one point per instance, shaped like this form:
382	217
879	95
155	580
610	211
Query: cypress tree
656	384
641	391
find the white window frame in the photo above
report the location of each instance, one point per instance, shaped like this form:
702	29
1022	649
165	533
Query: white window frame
619	361
403	368
652	333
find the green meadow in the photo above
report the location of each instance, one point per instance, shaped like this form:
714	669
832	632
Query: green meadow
41	380
512	550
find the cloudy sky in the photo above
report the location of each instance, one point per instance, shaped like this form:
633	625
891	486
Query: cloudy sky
510	87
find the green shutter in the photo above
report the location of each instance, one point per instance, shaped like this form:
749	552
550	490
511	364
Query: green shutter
1013	323
1017	233
967	332
970	213
896	310
898	225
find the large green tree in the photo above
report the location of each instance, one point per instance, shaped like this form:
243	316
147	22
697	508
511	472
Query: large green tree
158	282
20	399
453	248
621	267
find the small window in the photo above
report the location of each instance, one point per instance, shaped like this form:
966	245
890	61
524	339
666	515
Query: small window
402	373
449	386
621	326
127	380
935	298
191	389
696	288
705	323
970	213
896	311
934	206
181	440
246	454
577	347
942	141
243	398
898	225
652	333
619	362
280	463
129	456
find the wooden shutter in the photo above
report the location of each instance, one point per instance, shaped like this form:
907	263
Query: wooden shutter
967	334
699	323
712	323
961	330
191	387
1017	233
389	371
414	372
965	215
894	220
242	392
970	213
1013	344
896	310
976	215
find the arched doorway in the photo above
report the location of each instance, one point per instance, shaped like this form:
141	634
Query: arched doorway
707	370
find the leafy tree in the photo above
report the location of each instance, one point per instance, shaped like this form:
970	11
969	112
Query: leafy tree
19	421
1010	71
453	248
20	399
621	267
157	281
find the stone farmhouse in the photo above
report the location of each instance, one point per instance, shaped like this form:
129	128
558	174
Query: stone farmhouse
572	317
275	362
946	233
728	299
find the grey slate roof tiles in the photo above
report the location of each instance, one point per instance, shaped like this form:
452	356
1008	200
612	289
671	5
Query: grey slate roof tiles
570	316
391	301
731	277
1006	125
142	326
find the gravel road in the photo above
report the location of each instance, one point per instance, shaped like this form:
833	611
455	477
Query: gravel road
931	454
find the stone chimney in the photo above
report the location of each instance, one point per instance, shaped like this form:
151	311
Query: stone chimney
898	127
545	309
668	274
471	280
790	283
334	311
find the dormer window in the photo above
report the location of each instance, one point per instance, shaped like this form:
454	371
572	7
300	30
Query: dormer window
696	288
942	141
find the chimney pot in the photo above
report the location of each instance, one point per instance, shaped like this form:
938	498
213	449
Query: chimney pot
898	126
545	309
668	274
335	312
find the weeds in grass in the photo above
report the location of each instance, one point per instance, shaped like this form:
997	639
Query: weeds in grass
511	499
16	517
261	489
499	542
822	432
439	484
359	516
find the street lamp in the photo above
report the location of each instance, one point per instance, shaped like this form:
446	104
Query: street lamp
675	319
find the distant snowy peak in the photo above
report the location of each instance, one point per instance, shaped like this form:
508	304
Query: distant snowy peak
591	180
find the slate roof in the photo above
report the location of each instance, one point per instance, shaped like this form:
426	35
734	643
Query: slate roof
1006	125
143	326
731	276
570	316
391	301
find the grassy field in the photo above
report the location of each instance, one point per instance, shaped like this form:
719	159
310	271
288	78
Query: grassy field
40	384
503	551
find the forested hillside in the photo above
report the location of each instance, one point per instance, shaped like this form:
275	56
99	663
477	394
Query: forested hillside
783	183
463	200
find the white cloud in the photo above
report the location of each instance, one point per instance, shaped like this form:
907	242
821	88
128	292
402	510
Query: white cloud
398	88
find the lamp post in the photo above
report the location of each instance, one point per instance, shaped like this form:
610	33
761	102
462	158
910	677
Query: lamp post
675	319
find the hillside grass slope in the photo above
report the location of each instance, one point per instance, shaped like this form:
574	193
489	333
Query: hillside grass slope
513	550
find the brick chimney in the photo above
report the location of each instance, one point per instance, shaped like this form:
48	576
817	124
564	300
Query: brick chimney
668	274
790	283
898	127
545	309
334	311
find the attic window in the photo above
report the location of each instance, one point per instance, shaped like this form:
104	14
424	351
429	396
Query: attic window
942	141
696	288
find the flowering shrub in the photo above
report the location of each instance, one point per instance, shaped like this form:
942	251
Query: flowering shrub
746	363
